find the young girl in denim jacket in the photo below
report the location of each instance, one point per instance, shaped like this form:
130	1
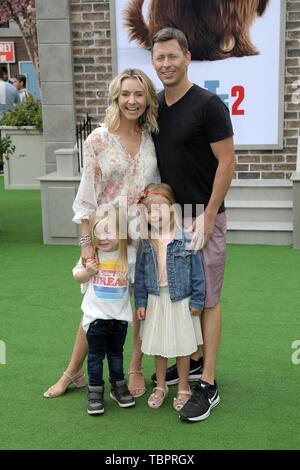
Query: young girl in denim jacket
169	292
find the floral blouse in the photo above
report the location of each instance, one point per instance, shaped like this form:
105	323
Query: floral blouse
111	173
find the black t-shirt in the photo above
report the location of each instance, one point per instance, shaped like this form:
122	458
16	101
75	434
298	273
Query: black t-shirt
186	130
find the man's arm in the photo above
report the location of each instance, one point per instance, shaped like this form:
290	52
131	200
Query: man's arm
204	225
224	153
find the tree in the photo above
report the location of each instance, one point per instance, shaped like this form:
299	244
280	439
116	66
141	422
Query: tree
22	12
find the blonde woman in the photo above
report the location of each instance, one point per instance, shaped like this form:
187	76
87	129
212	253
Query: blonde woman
119	162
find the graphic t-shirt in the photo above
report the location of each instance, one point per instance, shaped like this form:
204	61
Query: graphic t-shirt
107	292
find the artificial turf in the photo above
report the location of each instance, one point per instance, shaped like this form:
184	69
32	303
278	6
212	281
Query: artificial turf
40	313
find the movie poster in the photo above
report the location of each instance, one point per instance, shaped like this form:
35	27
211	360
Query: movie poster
237	53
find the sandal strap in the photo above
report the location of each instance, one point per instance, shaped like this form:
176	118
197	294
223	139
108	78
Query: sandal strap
155	401
164	391
184	392
74	378
68	377
135	372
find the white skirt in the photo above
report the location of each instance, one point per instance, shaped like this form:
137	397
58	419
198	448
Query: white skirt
169	330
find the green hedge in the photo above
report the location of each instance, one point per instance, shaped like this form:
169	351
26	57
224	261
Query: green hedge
27	113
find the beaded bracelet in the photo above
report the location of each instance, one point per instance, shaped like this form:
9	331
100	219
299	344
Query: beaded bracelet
85	241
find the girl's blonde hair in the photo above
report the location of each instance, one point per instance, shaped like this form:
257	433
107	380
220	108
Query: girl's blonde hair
153	194
149	119
157	190
110	213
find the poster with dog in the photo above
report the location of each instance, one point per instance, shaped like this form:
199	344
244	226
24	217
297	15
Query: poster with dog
237	52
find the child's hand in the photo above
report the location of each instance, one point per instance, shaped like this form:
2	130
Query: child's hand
91	266
88	252
195	312
140	313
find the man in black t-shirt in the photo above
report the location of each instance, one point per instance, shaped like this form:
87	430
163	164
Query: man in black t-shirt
195	154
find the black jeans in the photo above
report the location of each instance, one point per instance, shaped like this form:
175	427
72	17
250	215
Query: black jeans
106	338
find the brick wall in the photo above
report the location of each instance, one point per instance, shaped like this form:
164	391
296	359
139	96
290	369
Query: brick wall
92	56
93	72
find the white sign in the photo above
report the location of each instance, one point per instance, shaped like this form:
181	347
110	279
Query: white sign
251	86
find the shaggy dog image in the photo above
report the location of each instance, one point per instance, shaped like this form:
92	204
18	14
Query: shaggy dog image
215	29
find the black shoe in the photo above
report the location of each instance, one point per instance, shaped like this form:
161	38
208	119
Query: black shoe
120	393
205	397
95	400
196	368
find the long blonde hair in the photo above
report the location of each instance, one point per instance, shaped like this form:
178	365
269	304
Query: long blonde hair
149	119
110	212
158	194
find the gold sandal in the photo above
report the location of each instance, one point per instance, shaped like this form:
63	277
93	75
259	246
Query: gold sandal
179	402
155	400
76	381
136	392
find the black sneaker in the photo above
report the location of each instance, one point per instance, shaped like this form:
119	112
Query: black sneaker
95	400
120	393
205	397
196	368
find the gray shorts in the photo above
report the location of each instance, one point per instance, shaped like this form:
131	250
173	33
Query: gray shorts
214	257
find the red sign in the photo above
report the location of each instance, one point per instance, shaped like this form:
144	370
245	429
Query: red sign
7	52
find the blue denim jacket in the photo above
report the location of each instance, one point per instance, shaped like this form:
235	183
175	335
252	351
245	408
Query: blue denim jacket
184	270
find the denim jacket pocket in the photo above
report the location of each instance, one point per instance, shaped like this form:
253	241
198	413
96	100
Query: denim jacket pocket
149	269
183	268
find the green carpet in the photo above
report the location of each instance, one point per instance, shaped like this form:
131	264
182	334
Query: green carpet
40	313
